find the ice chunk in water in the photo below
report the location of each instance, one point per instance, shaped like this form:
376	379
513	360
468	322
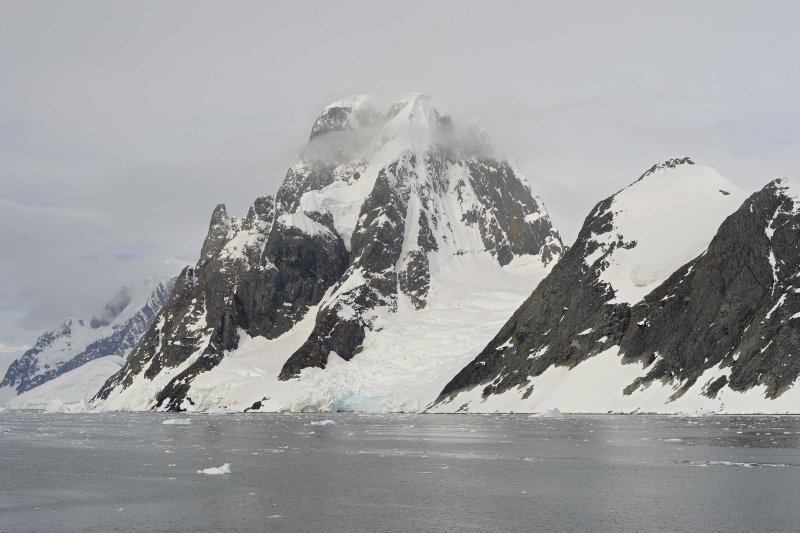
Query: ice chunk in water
176	421
550	413
216	470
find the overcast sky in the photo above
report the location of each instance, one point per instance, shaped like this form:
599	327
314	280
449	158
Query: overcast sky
122	124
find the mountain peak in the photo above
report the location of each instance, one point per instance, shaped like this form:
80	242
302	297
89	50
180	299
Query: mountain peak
788	187
644	232
220	214
667	165
416	114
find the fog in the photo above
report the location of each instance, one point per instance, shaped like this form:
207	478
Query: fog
122	125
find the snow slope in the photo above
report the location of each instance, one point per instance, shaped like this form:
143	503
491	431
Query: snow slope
664	219
596	386
70	391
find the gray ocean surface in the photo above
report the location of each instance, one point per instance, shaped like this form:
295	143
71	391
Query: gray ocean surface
372	473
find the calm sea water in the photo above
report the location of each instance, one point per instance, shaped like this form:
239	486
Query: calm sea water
130	472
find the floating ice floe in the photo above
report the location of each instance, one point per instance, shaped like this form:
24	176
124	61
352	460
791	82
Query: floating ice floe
698	412
176	421
216	470
739	464
549	413
323	423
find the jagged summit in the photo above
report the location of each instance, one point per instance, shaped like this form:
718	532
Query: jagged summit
363	110
363	123
334	176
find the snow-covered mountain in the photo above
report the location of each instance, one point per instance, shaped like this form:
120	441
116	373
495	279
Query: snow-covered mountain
392	252
113	334
679	295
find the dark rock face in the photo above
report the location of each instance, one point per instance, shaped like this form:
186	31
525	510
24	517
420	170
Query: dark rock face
512	222
256	274
376	246
732	308
728	308
30	370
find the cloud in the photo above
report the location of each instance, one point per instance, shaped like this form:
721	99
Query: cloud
4	349
129	252
53	211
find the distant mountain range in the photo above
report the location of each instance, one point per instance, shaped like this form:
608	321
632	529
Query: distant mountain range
110	336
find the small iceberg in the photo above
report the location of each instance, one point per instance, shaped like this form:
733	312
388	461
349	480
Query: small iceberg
697	413
323	423
216	470
549	413
176	421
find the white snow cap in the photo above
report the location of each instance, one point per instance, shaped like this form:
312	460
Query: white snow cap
664	219
416	115
347	113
